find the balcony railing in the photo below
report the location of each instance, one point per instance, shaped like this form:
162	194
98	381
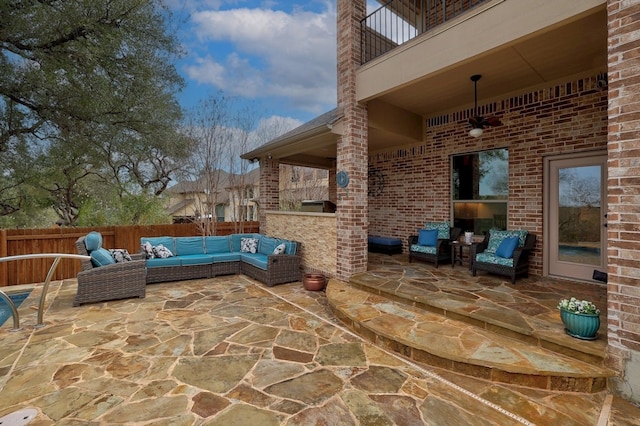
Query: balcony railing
399	21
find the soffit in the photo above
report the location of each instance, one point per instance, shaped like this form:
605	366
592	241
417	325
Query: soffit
573	48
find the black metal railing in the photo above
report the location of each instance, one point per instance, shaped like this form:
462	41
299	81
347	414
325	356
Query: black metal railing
398	21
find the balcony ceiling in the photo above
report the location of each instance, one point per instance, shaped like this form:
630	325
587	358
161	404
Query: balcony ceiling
574	49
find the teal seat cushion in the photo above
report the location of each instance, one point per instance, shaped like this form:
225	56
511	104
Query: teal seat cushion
444	229
266	245
506	247
225	257
423	249
189	246
258	260
168	242
159	262
101	257
485	257
93	241
290	247
217	244
195	259
428	237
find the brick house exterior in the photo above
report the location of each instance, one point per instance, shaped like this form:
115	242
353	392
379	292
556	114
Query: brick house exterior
562	109
623	148
220	194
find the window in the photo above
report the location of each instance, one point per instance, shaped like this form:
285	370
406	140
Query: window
220	212
480	190
248	192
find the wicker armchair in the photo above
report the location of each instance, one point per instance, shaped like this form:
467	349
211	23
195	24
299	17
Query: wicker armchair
442	249
520	259
110	282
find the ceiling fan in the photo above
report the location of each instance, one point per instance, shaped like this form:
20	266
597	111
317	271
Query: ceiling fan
478	123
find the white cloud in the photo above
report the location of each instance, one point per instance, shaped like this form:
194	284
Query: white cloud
273	54
269	128
206	70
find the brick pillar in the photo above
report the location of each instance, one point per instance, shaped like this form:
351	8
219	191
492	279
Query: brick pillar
352	215
623	216
269	189
331	182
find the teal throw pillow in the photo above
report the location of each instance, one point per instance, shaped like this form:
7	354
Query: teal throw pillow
506	247
428	237
93	241
101	257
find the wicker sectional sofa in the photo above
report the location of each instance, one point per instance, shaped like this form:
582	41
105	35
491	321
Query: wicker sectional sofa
207	257
101	279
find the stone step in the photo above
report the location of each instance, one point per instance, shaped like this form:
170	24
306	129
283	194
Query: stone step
528	314
458	346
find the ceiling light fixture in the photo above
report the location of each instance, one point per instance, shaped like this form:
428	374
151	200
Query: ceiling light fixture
476	132
478	122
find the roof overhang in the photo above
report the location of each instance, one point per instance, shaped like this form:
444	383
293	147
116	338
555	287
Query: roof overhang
313	144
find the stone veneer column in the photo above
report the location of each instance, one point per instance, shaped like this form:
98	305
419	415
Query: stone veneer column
623	218
352	214
269	189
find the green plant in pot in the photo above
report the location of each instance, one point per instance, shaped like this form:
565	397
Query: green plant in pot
581	318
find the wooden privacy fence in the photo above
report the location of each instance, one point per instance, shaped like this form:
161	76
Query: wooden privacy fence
14	242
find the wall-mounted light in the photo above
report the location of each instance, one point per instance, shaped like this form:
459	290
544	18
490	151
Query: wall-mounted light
602	81
476	132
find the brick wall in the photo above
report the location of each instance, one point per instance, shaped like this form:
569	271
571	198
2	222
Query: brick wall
624	195
559	119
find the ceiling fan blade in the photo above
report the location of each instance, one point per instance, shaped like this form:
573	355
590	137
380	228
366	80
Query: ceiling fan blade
492	121
476	122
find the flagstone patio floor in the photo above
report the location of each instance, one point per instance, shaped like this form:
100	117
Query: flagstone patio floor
230	351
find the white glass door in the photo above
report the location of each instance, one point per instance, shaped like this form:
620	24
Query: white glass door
577	216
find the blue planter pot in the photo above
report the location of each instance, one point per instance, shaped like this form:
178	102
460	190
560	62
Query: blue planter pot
580	326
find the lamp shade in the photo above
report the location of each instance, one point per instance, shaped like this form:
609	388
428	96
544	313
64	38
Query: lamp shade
476	132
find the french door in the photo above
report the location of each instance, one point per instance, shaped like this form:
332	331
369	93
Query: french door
576	238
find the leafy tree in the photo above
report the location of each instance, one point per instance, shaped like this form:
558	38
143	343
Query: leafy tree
87	87
579	207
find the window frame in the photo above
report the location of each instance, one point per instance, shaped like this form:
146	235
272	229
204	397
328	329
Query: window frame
484	204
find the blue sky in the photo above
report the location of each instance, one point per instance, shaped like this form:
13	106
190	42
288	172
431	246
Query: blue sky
277	55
